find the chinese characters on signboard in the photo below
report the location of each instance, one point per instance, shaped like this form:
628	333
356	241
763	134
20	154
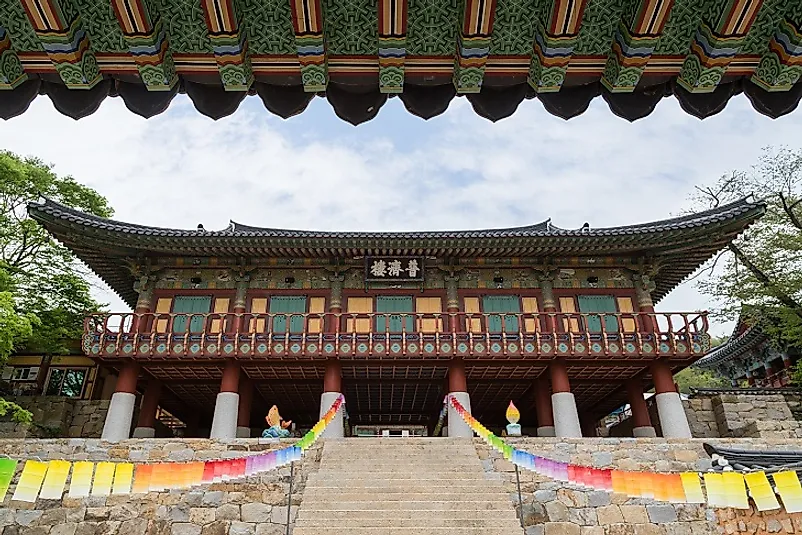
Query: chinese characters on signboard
393	268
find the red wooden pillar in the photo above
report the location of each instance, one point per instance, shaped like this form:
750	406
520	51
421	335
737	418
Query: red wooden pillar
332	376
563	403
673	421
127	378
457	379
332	389
452	303
458	389
121	407
641	422
244	410
545	414
146	425
226	407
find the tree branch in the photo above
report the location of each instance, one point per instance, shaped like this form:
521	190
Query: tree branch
789	210
767	283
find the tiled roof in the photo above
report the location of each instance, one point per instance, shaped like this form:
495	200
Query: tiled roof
733	348
683	243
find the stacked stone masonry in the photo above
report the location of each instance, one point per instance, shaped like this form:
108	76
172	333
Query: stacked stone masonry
257	505
58	417
771	416
552	508
727	415
251	506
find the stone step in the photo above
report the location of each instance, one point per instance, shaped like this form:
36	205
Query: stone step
315	514
397	474
432	521
312	495
480	504
490	530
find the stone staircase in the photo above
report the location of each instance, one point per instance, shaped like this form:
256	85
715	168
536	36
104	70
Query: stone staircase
403	486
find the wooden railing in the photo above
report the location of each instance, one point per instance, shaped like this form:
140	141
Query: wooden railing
395	335
777	379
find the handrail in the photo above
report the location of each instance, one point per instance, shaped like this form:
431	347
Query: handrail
446	333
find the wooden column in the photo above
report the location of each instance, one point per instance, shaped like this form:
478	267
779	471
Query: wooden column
332	323
121	408
230	380
457	380
144	305
226	407
548	303
558	371
244	409
545	414
127	378
146	425
641	422
240	304
332	376
563	403
643	292
673	420
452	302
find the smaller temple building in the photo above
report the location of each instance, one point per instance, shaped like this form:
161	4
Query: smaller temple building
228	323
749	358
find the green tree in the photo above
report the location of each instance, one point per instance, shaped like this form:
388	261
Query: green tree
759	275
697	378
44	293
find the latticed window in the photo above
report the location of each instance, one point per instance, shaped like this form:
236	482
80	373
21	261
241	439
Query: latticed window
66	382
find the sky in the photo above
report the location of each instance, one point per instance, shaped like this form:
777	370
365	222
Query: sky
398	172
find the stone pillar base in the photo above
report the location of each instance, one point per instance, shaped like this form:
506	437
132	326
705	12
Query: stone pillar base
144	432
457	427
243	432
118	420
224	422
646	431
673	420
336	429
546	431
566	417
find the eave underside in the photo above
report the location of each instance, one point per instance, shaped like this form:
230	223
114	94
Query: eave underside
358	54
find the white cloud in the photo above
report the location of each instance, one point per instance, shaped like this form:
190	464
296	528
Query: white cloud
397	172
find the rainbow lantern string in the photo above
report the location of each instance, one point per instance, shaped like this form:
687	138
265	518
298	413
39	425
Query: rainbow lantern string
725	490
46	480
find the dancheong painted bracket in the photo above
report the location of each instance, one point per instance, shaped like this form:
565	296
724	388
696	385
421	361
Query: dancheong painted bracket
359	53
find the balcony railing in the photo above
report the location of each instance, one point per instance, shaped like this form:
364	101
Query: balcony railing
325	335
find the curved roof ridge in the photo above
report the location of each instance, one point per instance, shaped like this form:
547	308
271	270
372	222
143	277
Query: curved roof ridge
65	212
544	228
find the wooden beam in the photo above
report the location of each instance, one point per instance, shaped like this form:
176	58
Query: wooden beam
144	33
634	42
11	72
229	44
392	44
781	65
404	363
63	37
473	47
716	44
307	21
554	45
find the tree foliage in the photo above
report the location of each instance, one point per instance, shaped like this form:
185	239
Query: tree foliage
759	276
38	275
697	378
43	290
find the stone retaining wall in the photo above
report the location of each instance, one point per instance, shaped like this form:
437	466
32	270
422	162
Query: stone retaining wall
251	506
58	417
550	508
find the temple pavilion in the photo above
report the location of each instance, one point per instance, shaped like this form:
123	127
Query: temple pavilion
750	358
228	323
359	53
